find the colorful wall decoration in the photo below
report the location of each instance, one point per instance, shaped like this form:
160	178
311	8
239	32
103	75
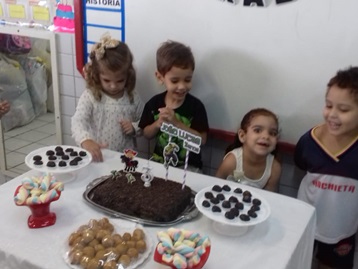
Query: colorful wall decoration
64	20
54	15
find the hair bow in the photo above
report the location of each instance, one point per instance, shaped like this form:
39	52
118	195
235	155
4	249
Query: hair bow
106	42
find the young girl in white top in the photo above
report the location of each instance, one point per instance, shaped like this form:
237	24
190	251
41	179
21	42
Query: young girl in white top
249	159
108	111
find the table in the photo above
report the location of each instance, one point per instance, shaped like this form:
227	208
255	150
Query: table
284	240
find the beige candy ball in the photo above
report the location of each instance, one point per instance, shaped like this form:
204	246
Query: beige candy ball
110	265
89	251
138	234
87	236
117	238
72	238
107	241
93	263
141	246
76	256
127	236
84	261
101	233
132	253
122	248
124	260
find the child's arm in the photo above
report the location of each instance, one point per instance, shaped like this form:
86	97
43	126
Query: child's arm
81	129
4	107
272	183
131	127
227	166
151	130
94	148
80	121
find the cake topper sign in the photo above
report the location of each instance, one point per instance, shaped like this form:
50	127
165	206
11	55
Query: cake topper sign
191	142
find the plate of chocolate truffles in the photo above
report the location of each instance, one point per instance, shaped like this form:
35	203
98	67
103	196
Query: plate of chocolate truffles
58	159
232	208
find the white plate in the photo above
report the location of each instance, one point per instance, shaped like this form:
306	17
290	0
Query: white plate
121	229
57	170
220	218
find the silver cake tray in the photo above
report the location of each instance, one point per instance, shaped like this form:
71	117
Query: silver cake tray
189	213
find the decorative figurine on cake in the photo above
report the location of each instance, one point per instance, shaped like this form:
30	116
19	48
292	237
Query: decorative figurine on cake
147	175
127	158
169	154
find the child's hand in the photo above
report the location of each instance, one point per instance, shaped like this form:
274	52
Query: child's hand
95	149
4	107
167	114
127	127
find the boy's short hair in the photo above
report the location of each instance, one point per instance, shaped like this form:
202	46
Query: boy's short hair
346	79
172	53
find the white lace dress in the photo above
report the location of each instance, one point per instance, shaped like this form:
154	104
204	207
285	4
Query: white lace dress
99	120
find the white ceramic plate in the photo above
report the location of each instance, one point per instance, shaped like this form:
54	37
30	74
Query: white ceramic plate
220	218
121	229
57	169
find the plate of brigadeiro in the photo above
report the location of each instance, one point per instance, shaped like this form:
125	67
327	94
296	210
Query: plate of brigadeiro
58	159
232	207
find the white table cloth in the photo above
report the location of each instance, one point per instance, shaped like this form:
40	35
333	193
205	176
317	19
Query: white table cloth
284	240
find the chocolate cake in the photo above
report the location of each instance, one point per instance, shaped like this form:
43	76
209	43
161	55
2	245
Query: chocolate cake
163	201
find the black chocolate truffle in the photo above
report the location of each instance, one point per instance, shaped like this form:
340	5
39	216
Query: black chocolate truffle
37	158
206	203
62	164
51	164
216	209
58	148
226	204
247	193
77	159
229	215
235	211
215	201
38	162
50	152
216	188
65	157
69	150
226	188
233	199
252	213
220	196
256	201
74	153
239	205
209	195
73	163
244	217
246	199
82	153
52	157
60	153
238	190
